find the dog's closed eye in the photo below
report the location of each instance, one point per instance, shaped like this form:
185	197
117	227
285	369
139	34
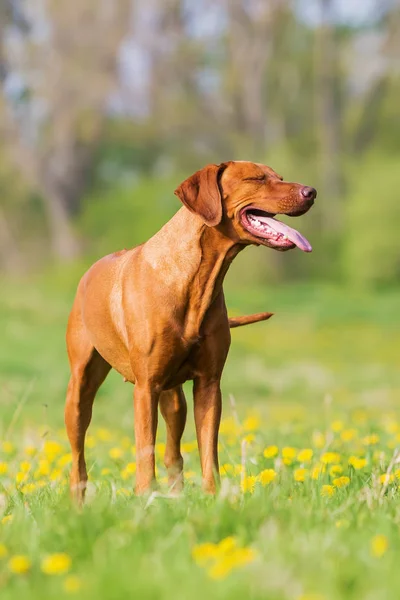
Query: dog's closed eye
258	178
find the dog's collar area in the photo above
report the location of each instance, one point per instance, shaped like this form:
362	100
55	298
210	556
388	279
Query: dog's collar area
264	226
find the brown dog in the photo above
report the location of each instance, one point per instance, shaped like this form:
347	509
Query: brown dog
156	313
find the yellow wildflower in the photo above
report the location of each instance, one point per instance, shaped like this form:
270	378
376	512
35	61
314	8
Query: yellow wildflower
327	491
341	481
72	584
56	564
129	470
300	474
386	478
227	544
271	451
203	553
379	545
159	449
105	471
103	434
25	466
230	427
337	426
3	551
21	477
116	453
249	438
288	452
371	440
357	463
7	519
64	460
19	564
190	474
267	476
52	449
330	457
124	492
341	523
3	468
248	484
55	474
225	469
335	470
252	423
317	471
188	447
305	455
8	447
28	488
238	469
348	434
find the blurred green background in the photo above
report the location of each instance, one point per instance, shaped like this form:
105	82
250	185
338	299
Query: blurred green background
105	107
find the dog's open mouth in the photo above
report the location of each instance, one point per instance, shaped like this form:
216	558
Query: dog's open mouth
277	234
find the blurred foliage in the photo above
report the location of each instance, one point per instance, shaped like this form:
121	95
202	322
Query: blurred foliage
308	88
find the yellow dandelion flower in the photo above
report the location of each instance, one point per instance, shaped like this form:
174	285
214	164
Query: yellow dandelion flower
267	476
317	471
357	463
271	451
7	519
335	470
252	423
341	481
225	469
25	466
371	440
305	455
3	468
249	438
52	449
64	460
188	447
160	449
337	426
229	427
8	447
3	551
386	478
330	457
105	471
348	435
19	564
72	584
288	452
204	553
116	453
248	484
28	488
220	569
129	470
104	435
56	564
55	474
318	439
21	477
300	474
238	469
235	558
190	474
226	545
327	491
392	427
379	545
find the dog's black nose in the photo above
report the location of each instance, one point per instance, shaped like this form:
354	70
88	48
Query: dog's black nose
309	193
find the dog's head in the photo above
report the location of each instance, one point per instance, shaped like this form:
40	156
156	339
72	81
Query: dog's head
242	198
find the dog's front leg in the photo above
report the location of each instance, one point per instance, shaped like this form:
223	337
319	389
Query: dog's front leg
145	402
207	416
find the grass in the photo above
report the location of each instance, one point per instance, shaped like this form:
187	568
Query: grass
322	375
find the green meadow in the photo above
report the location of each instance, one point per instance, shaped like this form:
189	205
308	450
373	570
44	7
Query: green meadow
308	507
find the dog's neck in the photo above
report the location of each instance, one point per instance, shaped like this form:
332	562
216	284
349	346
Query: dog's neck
200	253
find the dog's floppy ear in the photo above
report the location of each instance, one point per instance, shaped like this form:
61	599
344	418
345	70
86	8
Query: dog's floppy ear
200	193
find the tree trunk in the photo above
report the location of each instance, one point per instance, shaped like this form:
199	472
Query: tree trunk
64	243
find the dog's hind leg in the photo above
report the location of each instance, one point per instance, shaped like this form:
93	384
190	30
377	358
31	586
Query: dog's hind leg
173	409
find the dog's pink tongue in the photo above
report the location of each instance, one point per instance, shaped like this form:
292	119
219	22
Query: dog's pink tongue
293	235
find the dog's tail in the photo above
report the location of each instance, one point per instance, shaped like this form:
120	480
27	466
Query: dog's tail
248	319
